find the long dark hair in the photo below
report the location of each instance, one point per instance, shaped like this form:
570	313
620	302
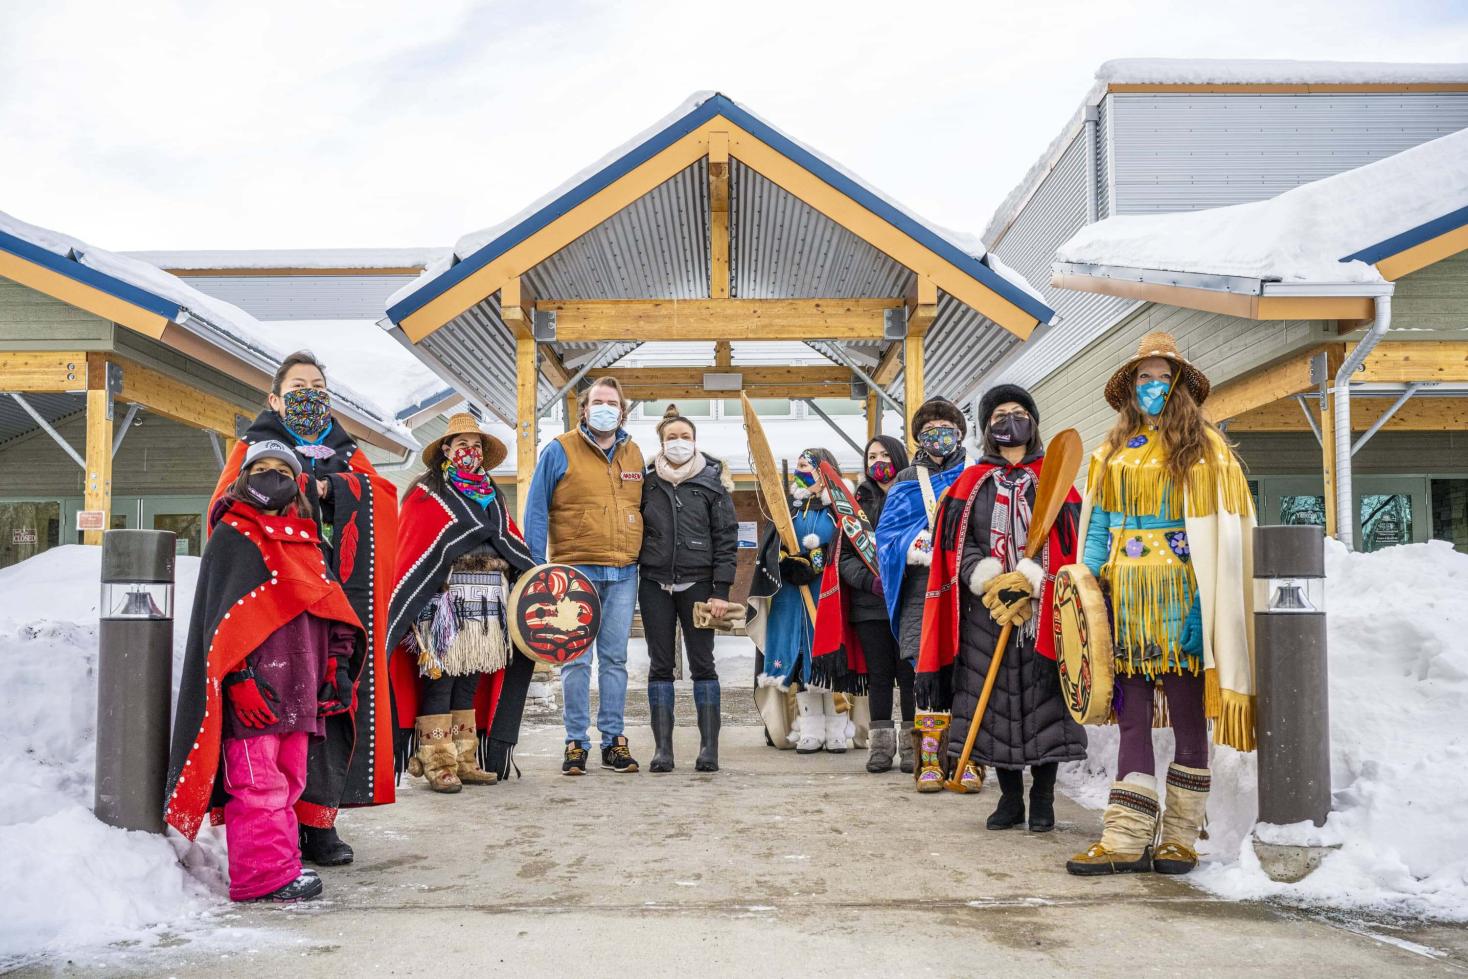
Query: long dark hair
896	451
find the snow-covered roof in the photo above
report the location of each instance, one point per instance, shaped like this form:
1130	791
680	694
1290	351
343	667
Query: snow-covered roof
474	250
224	326
1260	71
292	258
1310	234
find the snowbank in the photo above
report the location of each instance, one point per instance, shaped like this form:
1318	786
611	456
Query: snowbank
292	258
72	883
1398	628
1301	235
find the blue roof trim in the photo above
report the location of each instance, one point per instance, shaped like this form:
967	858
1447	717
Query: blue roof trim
1397	244
720	105
86	275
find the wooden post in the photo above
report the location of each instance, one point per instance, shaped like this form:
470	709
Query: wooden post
912	380
718	215
573	410
98	489
1327	461
874	416
527	424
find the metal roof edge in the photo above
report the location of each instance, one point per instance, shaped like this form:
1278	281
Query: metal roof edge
1239	284
1398	243
101	281
712	107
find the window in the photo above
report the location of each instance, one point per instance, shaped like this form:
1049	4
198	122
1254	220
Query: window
688	408
764	407
1450	512
27	529
841	406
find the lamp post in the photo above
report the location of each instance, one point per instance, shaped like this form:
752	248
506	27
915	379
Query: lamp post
134	677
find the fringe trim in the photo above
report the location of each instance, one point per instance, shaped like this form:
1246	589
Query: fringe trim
1143	597
1129	484
1212	699
1234	726
829	673
1160	716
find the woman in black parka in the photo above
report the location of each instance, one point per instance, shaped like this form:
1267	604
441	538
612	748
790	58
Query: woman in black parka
690	544
885	458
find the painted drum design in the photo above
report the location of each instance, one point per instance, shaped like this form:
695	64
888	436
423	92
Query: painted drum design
1083	644
554	613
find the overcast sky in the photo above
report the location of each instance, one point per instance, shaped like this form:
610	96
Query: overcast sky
192	124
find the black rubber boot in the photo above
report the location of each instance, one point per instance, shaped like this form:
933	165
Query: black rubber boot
306	887
324	848
1011	809
660	706
1042	797
706	702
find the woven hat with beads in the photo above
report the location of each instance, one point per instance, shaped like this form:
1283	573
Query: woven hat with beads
1120	387
464	423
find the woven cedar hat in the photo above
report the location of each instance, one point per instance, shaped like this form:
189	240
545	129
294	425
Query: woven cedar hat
464	423
1119	388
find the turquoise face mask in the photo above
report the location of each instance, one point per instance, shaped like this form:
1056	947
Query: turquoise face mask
1152	396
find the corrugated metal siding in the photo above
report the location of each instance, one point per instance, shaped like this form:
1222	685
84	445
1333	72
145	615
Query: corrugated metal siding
655	248
477	346
1186	152
32	320
303	297
1434	298
781	248
1388	453
961	345
158	456
16	422
1103	159
1222	346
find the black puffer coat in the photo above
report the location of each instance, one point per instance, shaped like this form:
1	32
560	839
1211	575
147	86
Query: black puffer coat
915	581
867	603
690	532
1027	722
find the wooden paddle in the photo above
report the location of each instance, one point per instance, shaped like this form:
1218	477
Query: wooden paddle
1062	462
768	476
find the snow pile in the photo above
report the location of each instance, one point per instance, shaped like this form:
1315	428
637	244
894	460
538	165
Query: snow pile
1225	71
73	883
361	356
292	258
1302	235
1399	745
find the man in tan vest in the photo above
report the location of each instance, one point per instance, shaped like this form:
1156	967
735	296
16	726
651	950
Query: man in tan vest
585	509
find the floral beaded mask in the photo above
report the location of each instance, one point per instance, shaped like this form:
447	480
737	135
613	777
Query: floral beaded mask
307	410
939	442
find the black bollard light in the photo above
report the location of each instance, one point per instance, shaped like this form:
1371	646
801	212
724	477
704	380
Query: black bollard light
1293	721
134	677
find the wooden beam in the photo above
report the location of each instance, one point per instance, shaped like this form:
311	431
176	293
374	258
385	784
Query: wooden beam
1426	253
1402	361
692	377
889	365
573	411
1226	303
176	400
912	380
1264	386
922	305
874	416
1423	413
638	391
526	430
719	319
97	489
517	306
81	295
552	368
723	353
35	371
719	215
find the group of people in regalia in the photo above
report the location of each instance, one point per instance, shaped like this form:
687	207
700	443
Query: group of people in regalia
341	637
1163	526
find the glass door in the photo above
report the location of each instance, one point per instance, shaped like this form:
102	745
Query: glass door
28	527
1390	510
184	515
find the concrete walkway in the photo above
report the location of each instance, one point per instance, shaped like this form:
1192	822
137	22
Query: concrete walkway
779	865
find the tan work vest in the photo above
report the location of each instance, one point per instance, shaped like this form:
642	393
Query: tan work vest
596	509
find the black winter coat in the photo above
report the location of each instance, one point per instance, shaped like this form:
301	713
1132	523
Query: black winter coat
689	531
1027	722
867	603
915	581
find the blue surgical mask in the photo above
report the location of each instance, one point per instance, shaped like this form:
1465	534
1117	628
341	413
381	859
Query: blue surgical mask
604	418
1152	396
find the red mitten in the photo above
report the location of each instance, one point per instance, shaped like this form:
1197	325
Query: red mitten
337	693
251	698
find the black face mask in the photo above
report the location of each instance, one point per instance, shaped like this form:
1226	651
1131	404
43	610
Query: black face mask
271	489
1009	430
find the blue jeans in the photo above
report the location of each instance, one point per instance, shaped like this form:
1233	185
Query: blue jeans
617	588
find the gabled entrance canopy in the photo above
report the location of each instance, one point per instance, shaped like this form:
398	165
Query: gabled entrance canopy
711	225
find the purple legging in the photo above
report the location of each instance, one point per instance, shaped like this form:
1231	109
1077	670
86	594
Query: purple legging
1134	715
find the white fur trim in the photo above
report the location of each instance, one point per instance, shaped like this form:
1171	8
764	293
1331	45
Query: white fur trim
984	572
810	542
799	494
916	554
1033	572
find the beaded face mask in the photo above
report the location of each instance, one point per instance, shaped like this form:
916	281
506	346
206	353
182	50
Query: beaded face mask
940	441
307	410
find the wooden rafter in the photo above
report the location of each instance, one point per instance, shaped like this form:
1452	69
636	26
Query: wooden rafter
174	399
1415	360
43	371
718	319
922	305
719	215
81	295
889	365
1423	413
